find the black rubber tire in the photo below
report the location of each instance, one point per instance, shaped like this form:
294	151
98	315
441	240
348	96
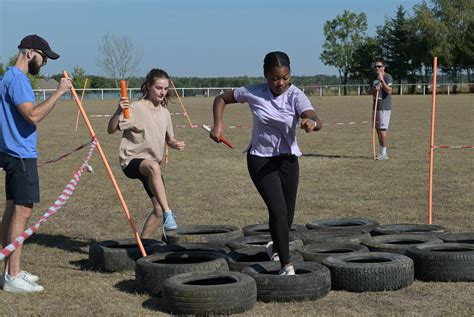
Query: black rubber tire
244	257
260	241
152	271
209	293
398	243
339	236
312	281
262	228
370	271
194	246
119	255
319	251
443	262
204	234
397	228
346	224
461	237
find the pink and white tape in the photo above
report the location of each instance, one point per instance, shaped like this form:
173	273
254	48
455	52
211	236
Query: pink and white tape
55	207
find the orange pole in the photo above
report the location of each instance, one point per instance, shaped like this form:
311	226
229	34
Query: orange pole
123	86
82	96
182	105
374	115
433	115
107	167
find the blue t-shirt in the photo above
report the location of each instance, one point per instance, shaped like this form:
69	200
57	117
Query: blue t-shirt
17	136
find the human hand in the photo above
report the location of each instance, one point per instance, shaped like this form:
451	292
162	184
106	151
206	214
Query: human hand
177	145
64	85
308	125
216	133
124	103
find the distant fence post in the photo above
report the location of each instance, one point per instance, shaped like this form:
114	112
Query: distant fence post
339	91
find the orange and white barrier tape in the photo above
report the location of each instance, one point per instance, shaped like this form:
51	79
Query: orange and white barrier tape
55	207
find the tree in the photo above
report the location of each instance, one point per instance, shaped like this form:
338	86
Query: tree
119	58
395	39
79	78
363	59
2	70
457	16
343	34
428	41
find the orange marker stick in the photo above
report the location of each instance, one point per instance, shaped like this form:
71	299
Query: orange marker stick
222	139
123	86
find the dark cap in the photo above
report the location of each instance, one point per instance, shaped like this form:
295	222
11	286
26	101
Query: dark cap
37	42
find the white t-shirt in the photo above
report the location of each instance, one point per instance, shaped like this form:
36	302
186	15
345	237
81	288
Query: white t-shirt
275	118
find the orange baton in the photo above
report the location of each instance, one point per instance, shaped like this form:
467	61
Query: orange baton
123	85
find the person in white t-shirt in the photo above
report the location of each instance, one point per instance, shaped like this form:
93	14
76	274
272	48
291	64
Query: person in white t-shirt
272	157
144	135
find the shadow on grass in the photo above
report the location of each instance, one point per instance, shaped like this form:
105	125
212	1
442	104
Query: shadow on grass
130	287
59	242
155	304
85	265
330	156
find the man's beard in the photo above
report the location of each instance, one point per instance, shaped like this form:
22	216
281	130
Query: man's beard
33	67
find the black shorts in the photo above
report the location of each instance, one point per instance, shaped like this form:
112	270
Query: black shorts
133	171
21	180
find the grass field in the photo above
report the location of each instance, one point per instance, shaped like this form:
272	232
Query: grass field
209	184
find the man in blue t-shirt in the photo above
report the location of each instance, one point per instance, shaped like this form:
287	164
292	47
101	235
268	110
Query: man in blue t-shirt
19	116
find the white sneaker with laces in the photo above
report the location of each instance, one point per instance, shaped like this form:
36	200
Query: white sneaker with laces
287	270
20	284
272	255
31	277
381	157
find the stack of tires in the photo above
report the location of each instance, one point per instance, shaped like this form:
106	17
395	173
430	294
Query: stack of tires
206	270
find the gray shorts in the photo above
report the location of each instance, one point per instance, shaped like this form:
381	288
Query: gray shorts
382	121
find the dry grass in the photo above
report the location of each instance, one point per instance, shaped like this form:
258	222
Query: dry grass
209	184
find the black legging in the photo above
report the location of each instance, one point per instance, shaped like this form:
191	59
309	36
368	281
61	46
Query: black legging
276	179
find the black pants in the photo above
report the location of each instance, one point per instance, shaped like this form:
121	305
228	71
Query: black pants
276	179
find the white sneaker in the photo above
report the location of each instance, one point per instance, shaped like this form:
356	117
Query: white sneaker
31	277
287	270
20	284
272	255
381	157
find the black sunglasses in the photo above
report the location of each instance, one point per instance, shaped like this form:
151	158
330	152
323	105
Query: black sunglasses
43	55
378	66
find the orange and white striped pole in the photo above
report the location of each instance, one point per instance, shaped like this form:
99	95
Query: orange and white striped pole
433	115
107	167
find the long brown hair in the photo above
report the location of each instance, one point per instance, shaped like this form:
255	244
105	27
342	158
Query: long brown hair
153	75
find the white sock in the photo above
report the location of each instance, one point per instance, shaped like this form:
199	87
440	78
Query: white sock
383	150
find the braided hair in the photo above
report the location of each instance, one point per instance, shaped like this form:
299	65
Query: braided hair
275	59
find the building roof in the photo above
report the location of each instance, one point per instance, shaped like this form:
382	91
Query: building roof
47	83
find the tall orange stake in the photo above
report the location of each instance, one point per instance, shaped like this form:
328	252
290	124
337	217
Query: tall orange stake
374	114
182	105
433	115
107	167
123	86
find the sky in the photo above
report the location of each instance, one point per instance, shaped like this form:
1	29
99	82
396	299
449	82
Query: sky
187	38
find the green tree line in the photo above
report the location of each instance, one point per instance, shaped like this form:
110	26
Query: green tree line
408	43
